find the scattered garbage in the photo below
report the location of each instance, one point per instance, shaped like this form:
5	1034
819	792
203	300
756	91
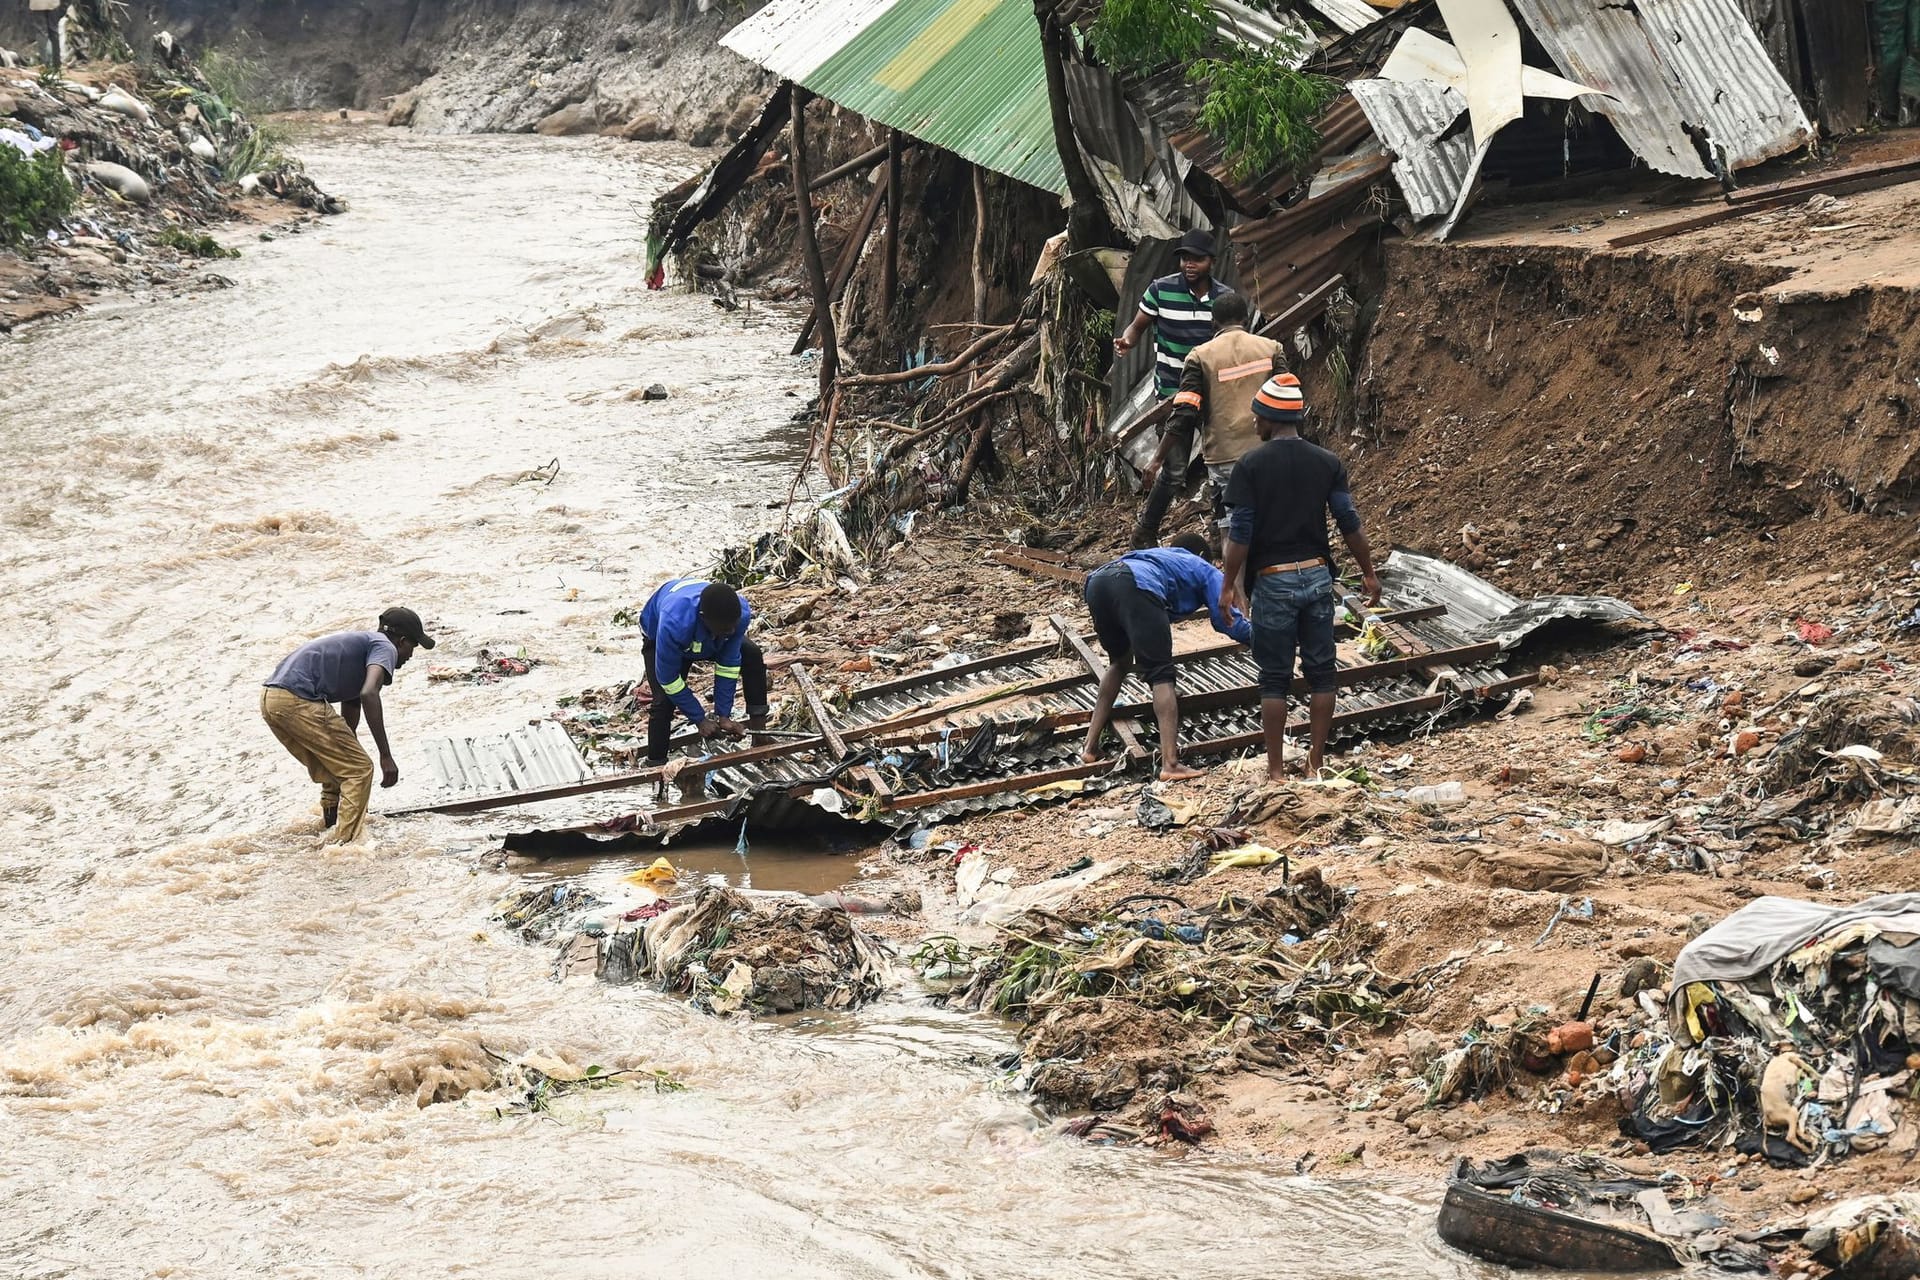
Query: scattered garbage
1446	795
1868	1237
152	151
729	952
1794	1030
487	668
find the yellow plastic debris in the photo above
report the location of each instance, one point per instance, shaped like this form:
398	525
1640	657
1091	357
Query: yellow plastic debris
661	872
1247	855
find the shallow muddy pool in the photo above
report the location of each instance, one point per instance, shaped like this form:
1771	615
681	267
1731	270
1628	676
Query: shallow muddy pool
215	1037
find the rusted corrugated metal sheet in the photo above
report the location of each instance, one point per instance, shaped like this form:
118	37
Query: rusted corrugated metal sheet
1669	64
1726	78
1412	119
965	75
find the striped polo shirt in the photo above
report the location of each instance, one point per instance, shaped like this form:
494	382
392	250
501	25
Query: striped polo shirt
1181	322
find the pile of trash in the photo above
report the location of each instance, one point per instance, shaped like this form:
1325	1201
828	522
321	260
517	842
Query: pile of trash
153	150
729	952
488	667
1795	1035
1262	978
1847	773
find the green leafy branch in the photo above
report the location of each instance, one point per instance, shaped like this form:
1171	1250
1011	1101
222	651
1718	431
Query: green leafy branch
1262	110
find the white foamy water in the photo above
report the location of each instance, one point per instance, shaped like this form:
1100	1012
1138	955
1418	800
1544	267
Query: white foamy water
225	1051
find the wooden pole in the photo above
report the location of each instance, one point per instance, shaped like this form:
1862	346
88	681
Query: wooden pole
890	268
1088	226
865	160
979	245
849	258
810	249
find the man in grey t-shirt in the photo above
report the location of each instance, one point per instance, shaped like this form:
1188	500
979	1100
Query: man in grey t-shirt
350	668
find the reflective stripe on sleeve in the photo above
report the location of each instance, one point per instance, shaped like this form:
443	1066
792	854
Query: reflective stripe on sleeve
725	673
674	686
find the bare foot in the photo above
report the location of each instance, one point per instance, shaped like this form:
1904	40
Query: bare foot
1091	757
1177	772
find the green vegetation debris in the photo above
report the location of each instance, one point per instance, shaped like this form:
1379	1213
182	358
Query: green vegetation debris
199	244
1137	37
34	194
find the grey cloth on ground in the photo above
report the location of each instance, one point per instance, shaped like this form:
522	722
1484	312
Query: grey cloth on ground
1765	931
1896	965
334	668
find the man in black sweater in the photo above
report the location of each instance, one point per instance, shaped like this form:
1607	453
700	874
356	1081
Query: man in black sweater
1278	499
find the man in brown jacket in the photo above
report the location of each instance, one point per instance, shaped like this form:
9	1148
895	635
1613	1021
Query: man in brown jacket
1217	384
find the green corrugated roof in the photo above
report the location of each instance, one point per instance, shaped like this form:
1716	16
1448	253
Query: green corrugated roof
966	75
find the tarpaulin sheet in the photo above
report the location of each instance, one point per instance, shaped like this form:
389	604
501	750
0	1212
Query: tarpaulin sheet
1767	930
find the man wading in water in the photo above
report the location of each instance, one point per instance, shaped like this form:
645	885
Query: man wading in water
1133	601
348	667
1278	500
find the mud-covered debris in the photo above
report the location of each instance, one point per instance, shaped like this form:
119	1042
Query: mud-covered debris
1283	970
731	953
539	911
1794	1035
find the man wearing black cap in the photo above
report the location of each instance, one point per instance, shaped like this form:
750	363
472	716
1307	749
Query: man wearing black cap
348	667
1180	309
691	620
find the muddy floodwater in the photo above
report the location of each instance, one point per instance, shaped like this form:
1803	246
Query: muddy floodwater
216	1037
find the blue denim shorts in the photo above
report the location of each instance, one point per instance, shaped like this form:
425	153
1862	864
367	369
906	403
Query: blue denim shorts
1293	613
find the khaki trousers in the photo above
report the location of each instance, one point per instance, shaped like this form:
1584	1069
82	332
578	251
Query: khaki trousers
315	735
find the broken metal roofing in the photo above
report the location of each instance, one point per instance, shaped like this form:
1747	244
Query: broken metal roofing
1004	730
538	755
1348	15
1669	64
966	75
1477	608
1412	119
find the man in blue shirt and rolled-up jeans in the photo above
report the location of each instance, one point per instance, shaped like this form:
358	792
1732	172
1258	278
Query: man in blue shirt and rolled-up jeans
1133	601
1278	499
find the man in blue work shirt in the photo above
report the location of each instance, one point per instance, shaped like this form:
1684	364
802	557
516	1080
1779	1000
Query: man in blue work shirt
1133	601
689	621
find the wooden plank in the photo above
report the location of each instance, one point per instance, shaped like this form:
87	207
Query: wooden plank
821	721
994	786
1039	568
1012	657
865	160
1885	172
1778	196
1341	719
824	723
1039	553
1122	726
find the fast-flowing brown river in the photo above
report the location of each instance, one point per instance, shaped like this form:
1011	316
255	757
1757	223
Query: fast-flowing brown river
212	1033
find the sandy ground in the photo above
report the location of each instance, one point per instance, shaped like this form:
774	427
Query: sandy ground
1710	689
